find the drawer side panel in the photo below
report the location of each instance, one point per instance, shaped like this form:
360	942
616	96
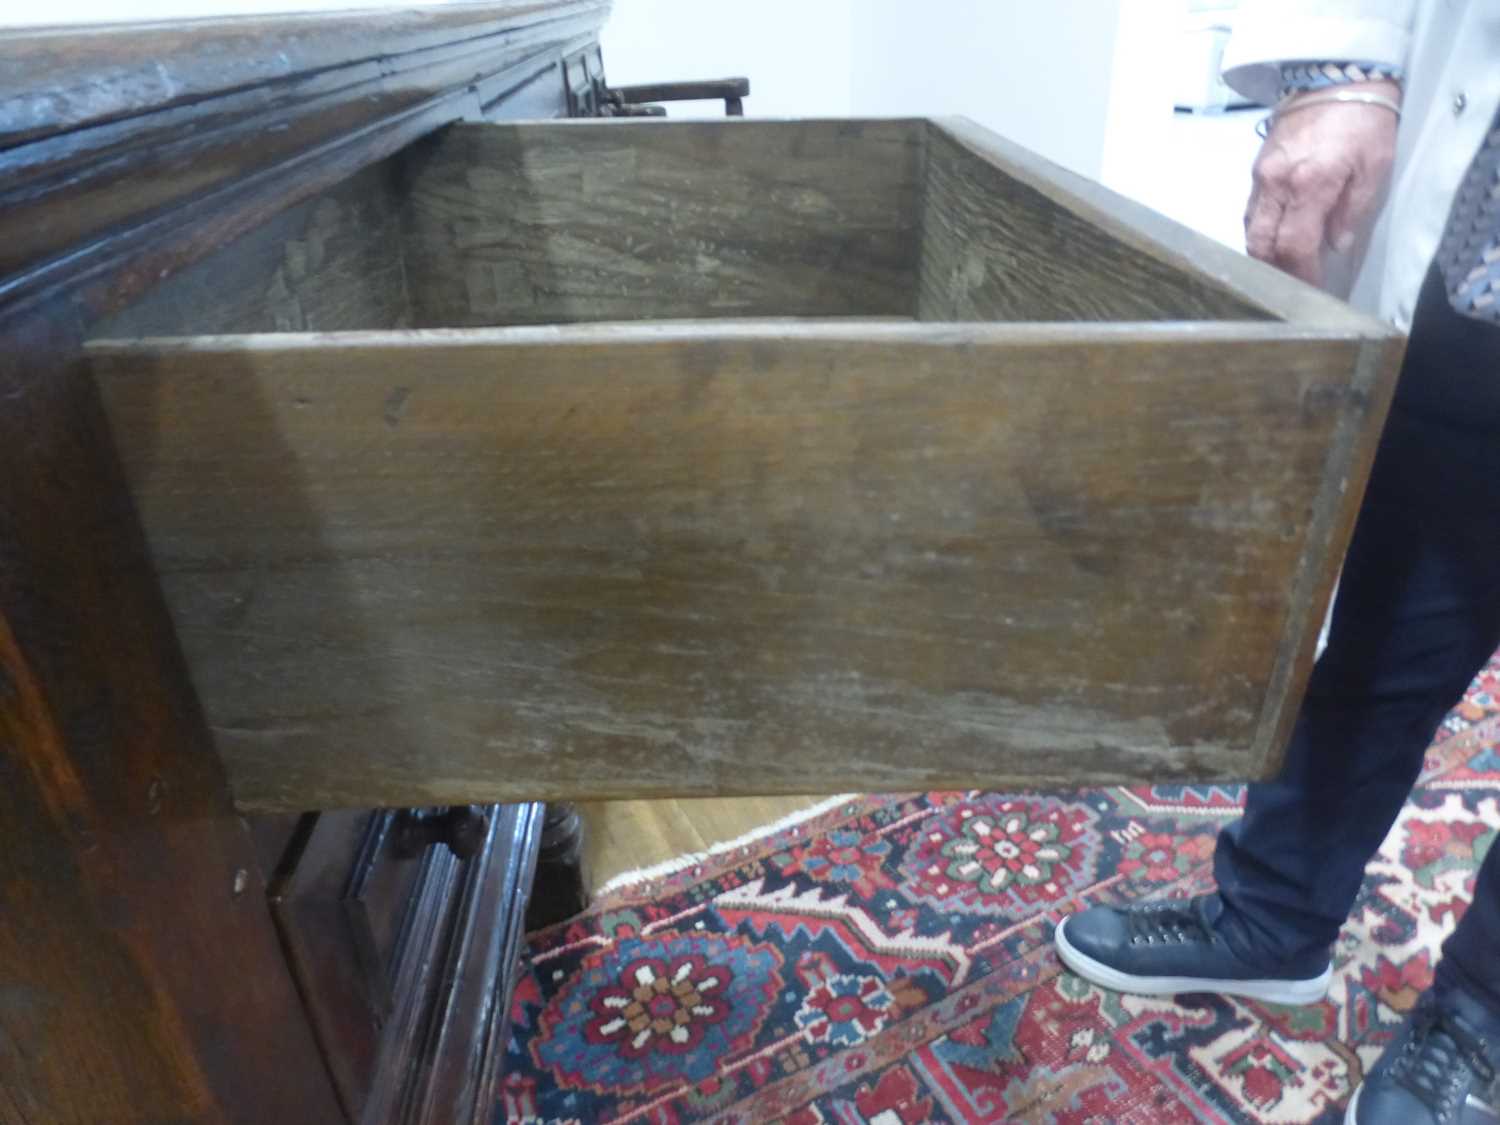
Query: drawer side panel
997	248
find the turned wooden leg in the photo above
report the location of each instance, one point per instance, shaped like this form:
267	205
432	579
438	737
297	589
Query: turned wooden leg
561	888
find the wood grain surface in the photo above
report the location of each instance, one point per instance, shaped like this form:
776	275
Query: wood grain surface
1206	266
331	262
58	80
733	558
628	836
643	220
141	974
140	971
572	221
232	97
997	248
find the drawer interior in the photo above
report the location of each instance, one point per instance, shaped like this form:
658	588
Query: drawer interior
568	222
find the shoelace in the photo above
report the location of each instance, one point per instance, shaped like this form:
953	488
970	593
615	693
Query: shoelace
1164	923
1432	1065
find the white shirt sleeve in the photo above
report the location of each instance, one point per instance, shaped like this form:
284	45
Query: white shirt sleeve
1268	33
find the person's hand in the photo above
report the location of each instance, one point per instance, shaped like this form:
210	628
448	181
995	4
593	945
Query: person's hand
1319	179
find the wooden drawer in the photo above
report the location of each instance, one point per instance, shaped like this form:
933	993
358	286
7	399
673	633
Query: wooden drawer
404	960
744	457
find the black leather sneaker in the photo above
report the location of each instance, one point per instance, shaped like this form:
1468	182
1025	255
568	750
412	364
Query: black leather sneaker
1443	1067
1169	946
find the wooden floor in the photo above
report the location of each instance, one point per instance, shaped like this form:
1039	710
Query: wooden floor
628	835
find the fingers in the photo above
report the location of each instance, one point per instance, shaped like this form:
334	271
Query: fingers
1304	224
1262	218
1287	221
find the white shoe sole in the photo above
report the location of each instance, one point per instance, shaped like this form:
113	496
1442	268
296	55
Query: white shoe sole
1271	991
1351	1115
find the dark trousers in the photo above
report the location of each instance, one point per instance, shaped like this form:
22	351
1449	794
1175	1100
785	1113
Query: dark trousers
1417	616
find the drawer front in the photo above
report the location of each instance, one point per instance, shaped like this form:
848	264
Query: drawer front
340	897
405	961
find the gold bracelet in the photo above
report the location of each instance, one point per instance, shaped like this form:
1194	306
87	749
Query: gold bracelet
1302	101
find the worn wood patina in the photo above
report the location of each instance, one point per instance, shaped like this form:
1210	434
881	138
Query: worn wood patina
143	977
1072	519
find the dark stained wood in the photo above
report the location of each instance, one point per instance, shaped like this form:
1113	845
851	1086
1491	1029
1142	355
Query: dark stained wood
583	80
109	274
406	961
711	89
329	263
231	98
451	1078
419	974
143	979
334	261
633	220
455	969
459	828
347	998
143	976
60	80
732	91
379	890
272	835
233	178
563	880
717	559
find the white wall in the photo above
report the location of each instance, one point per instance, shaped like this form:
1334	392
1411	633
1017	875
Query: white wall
796	53
1194	168
1037	71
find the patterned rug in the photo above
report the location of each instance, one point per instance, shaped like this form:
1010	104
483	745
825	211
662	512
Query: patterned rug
889	962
